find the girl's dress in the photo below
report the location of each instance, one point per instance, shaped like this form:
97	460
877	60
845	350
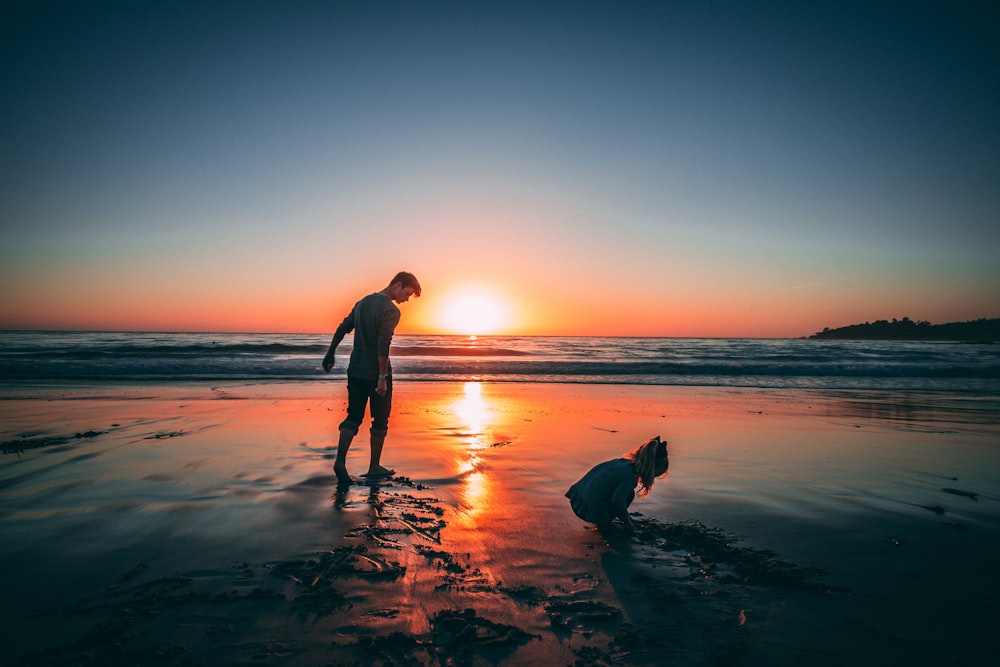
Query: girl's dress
605	492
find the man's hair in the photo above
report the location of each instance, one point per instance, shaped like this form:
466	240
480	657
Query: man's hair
408	280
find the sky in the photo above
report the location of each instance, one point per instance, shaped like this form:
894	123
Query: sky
722	169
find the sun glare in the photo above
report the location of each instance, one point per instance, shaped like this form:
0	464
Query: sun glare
474	311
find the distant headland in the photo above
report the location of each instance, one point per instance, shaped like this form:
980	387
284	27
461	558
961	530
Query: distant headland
978	331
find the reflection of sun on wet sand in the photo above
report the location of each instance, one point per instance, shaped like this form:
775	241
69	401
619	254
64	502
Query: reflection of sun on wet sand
229	542
395	591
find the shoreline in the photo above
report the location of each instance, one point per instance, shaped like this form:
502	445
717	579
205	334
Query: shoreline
794	525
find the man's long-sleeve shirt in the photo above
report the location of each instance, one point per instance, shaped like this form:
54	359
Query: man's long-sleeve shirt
373	320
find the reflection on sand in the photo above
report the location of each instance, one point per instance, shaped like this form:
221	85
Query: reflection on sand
476	417
472	409
914	410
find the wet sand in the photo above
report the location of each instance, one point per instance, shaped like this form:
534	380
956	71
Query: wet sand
203	525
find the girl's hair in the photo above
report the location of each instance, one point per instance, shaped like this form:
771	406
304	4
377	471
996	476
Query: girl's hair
644	460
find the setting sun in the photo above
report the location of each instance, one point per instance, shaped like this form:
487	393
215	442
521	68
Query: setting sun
473	311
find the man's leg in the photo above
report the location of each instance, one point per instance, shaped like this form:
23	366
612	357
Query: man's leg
375	469
380	407
357	400
340	465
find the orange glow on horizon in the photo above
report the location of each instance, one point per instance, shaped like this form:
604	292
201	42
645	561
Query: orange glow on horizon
471	310
512	304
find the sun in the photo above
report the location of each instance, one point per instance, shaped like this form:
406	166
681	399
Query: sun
473	311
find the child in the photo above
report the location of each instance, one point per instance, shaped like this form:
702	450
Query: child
608	489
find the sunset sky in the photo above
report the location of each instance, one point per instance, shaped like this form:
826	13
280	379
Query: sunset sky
592	168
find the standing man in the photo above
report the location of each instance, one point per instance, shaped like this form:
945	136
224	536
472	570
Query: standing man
369	375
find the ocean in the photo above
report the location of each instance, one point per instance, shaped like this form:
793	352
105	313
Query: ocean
53	358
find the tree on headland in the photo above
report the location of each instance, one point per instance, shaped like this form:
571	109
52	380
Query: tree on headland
983	330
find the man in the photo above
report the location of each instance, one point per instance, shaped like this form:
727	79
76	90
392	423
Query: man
369	374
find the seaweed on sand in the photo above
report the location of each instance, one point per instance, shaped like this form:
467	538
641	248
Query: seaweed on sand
708	548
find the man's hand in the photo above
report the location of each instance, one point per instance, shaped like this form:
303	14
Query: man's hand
382	386
328	362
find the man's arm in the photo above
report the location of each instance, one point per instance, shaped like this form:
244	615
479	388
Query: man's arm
388	326
345	328
383	371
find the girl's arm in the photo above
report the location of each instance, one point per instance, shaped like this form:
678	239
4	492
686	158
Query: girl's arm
622	497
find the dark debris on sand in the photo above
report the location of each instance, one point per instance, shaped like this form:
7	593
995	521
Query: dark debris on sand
20	445
455	638
713	553
342	605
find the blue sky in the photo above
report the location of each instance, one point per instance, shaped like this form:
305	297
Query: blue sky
672	168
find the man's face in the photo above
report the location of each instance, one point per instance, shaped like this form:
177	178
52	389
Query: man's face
401	294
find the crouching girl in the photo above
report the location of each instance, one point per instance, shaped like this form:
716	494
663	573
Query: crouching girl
605	493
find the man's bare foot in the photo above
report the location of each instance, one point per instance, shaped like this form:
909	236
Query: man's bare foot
380	471
342	476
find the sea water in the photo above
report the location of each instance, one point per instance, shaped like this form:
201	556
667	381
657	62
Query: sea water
53	358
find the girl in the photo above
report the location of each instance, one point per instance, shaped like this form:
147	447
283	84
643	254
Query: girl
608	489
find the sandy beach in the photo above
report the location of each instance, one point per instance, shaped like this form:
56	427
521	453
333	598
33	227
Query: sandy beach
180	525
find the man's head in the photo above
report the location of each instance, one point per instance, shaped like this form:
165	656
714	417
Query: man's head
402	286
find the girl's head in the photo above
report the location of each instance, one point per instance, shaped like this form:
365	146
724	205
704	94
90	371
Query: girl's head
649	462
